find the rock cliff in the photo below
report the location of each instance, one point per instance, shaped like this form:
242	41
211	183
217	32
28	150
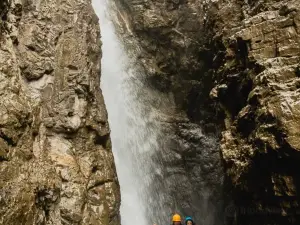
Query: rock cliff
233	69
56	163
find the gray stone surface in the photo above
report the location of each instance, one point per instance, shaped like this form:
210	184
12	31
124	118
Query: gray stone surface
56	163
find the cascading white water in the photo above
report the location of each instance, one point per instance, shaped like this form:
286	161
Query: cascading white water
149	156
132	119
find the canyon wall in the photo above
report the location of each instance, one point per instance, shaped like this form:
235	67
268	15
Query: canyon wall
233	70
56	163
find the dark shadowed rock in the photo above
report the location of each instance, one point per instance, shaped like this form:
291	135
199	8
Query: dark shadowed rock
232	68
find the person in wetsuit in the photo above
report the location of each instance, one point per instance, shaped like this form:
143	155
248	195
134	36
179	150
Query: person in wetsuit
189	221
176	220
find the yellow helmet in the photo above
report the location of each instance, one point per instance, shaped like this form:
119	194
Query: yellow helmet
176	218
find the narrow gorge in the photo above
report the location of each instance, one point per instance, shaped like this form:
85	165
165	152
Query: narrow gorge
151	108
154	181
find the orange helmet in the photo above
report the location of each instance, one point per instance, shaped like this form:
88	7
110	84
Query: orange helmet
176	218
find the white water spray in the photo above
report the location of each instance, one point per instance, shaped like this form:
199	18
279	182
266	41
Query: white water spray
132	119
150	191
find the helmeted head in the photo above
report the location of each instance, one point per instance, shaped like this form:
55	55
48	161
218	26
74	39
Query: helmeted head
176	219
189	221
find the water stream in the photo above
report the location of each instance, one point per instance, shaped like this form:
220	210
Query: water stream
149	156
132	117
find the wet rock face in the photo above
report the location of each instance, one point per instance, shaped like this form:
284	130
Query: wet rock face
231	65
165	36
56	163
171	35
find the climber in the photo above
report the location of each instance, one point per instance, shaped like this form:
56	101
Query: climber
189	221
176	220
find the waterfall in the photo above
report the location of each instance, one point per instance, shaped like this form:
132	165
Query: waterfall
133	117
151	142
